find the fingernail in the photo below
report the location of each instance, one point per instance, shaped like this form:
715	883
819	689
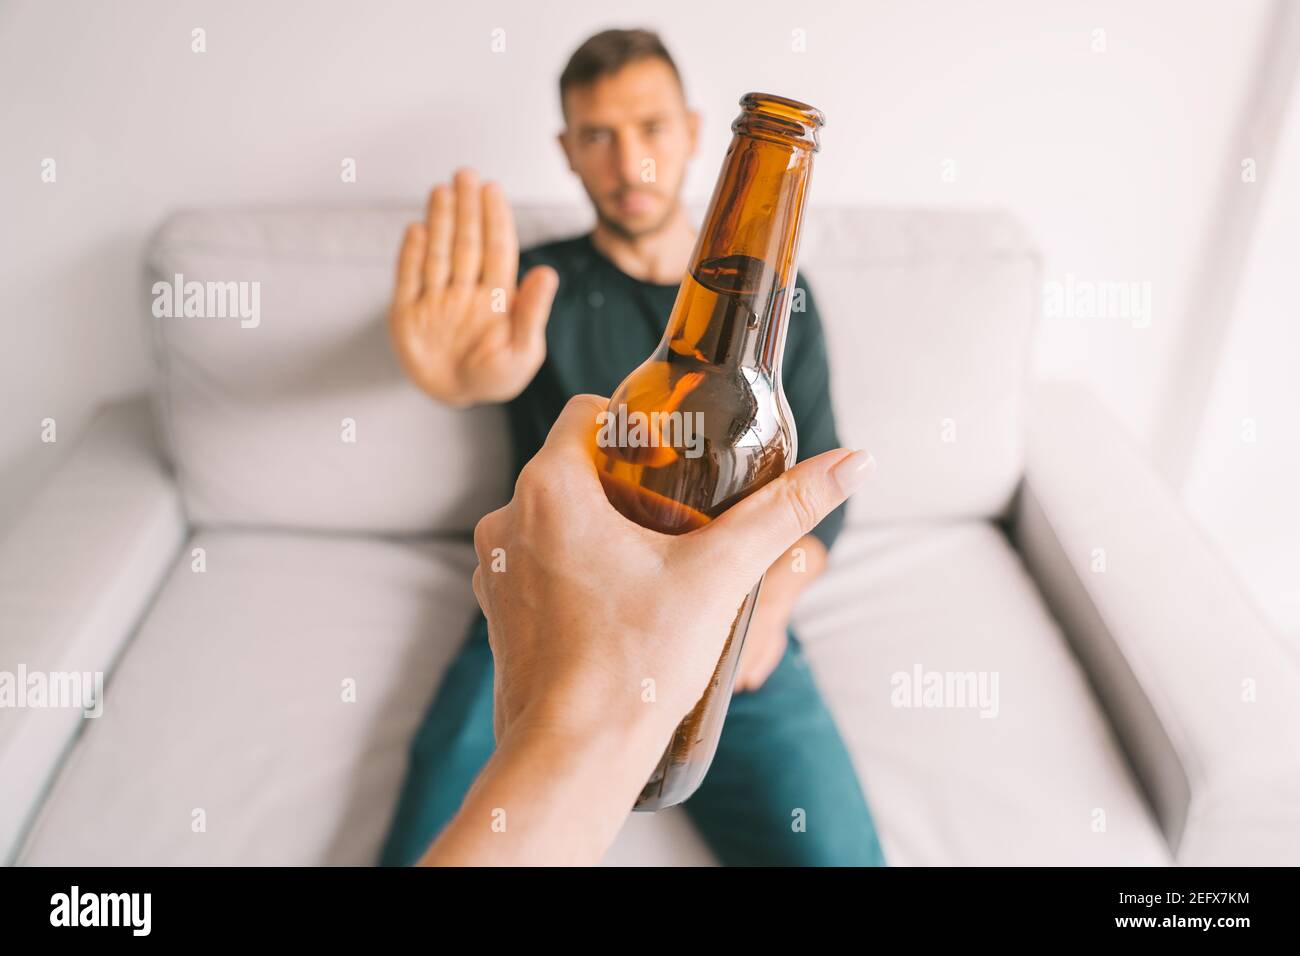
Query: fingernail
853	471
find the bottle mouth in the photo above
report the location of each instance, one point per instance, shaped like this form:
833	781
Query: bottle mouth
778	117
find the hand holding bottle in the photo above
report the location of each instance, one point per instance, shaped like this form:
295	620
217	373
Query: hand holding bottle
588	605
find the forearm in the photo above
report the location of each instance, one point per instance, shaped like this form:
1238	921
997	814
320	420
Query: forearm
546	799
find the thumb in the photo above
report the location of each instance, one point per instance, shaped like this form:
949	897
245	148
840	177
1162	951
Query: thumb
533	305
756	531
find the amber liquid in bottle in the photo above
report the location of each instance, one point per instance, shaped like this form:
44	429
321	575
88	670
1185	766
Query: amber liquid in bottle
718	368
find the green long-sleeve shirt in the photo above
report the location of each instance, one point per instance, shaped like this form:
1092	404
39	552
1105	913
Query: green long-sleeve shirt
604	323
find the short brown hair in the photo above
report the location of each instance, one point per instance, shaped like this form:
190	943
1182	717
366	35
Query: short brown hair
609	51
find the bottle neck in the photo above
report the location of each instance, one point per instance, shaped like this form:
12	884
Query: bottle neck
734	305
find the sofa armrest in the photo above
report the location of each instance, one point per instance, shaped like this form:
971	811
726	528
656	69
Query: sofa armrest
77	571
1204	697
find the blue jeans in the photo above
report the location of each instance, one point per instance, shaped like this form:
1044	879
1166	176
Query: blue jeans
781	790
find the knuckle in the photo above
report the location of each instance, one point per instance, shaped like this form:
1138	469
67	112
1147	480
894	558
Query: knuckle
485	534
802	502
533	480
583	403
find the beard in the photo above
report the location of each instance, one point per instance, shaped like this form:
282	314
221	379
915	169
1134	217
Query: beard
627	231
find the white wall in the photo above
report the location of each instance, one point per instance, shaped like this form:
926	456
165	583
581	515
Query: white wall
1246	473
1110	157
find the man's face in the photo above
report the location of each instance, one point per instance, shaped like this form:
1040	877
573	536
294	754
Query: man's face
628	137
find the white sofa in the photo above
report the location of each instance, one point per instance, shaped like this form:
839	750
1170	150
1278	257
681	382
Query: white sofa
1144	714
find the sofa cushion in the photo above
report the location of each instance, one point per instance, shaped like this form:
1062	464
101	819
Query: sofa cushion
230	701
928	320
912	616
258	419
78	569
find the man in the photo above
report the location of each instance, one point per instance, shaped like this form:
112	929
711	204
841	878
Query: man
584	313
575	739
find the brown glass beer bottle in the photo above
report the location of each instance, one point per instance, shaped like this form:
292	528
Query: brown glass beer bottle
703	422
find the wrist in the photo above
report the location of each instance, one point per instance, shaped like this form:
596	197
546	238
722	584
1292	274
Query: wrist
634	735
545	797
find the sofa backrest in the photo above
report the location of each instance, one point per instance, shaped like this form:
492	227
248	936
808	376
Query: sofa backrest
304	419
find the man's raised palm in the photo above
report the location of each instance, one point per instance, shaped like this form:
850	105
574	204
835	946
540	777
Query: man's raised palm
462	330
